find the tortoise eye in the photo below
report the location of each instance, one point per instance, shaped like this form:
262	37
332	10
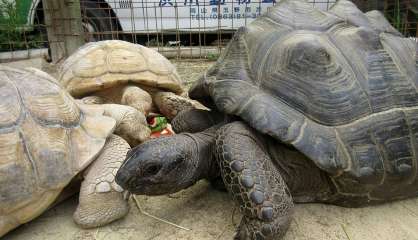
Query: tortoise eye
152	169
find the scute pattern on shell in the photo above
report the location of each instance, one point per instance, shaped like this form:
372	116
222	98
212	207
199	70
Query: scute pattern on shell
44	141
340	86
105	64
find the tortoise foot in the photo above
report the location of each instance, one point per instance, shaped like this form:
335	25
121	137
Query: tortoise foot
101	198
100	209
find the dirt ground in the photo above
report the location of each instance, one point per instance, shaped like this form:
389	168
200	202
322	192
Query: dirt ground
211	214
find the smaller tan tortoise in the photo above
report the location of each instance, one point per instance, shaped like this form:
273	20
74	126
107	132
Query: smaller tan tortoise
49	141
115	71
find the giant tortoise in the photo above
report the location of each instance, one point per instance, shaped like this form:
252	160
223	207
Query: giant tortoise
320	107
115	71
48	140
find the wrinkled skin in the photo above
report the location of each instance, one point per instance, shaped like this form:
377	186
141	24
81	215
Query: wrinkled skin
169	164
179	161
161	172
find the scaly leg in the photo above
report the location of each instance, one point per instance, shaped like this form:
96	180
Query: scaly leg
196	120
171	104
254	182
101	198
131	124
137	98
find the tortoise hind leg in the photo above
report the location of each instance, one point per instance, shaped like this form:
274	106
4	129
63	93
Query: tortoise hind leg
101	199
254	182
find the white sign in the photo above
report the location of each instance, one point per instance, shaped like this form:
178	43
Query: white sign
191	15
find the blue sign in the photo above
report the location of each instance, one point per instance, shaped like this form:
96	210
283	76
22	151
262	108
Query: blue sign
165	2
216	2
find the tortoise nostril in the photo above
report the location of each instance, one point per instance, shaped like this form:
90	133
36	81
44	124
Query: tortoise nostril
122	179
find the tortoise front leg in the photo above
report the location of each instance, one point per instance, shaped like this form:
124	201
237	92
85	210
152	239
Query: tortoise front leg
254	182
196	120
137	98
131	124
101	199
170	104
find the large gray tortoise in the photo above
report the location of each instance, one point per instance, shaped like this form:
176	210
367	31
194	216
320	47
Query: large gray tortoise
47	140
320	106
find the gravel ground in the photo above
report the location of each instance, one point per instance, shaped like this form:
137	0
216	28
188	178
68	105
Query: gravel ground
210	214
191	70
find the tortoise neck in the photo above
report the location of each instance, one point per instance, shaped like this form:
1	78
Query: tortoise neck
205	165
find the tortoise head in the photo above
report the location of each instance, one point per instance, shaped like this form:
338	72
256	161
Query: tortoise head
159	166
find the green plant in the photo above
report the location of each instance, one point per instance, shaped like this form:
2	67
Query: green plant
212	56
13	35
398	16
401	15
8	18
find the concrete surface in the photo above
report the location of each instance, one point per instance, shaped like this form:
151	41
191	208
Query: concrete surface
23	54
210	214
34	62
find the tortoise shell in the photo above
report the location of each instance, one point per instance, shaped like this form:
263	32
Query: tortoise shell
101	65
45	140
340	86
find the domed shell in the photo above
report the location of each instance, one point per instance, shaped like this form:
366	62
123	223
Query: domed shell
100	65
45	140
340	86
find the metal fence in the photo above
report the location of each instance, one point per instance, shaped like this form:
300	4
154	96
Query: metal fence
403	14
176	28
20	38
185	28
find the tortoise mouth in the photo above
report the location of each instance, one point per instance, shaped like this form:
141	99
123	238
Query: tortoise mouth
154	191
147	188
140	186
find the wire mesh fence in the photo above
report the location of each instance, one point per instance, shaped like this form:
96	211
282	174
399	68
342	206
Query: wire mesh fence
403	14
176	28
